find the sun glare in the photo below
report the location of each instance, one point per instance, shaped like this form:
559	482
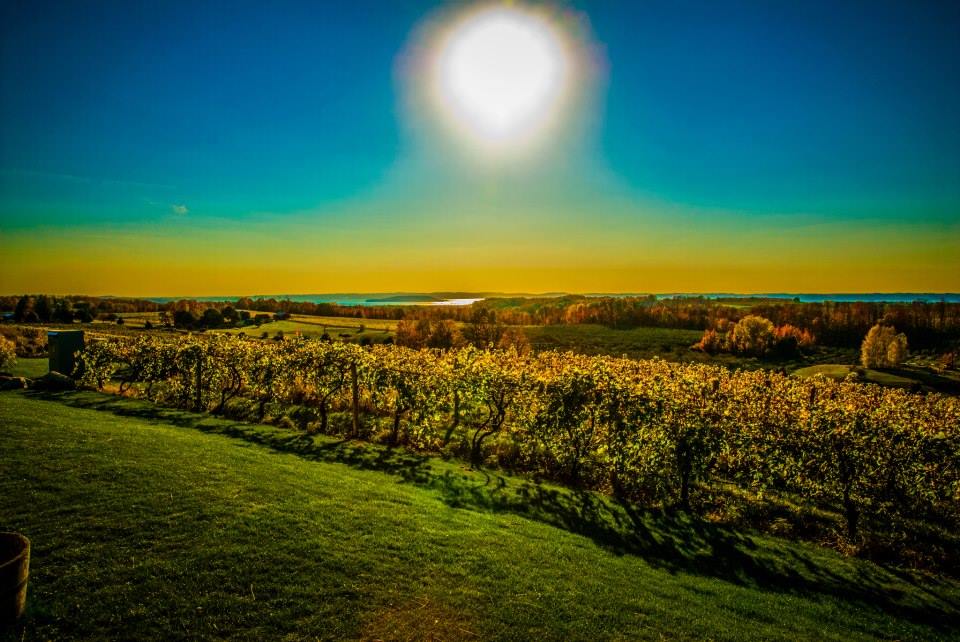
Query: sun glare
500	75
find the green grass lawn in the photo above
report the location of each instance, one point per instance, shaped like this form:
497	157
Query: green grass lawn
139	319
670	344
151	523
314	327
904	377
347	322
30	367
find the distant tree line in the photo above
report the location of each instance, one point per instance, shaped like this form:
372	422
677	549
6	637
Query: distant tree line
925	325
188	315
45	308
481	330
50	309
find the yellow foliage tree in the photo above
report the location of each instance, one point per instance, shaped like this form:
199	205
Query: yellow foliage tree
753	335
883	347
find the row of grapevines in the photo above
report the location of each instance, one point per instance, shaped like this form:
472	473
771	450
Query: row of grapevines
641	429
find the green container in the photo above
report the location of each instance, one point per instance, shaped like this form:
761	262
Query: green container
63	346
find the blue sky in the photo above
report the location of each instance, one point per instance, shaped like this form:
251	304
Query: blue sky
115	115
790	105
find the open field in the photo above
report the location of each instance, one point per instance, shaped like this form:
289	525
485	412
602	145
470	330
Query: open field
346	322
137	319
150	523
598	339
839	372
905	377
346	329
666	343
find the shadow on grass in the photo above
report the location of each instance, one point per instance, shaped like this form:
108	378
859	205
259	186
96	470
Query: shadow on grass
937	382
674	542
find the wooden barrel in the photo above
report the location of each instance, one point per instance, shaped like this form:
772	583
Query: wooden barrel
14	570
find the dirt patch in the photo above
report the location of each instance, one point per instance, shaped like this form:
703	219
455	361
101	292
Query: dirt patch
420	619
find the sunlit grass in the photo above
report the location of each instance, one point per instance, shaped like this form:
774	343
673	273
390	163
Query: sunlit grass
30	367
338	328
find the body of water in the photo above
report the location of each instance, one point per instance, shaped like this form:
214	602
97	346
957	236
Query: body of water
877	297
371	299
403	298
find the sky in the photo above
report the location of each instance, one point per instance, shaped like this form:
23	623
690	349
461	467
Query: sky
199	148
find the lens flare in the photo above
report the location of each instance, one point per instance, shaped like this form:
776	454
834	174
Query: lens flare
500	80
500	73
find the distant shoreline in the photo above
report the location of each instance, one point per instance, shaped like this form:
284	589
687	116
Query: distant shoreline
465	298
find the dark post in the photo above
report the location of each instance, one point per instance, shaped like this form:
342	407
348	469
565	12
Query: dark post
355	385
198	402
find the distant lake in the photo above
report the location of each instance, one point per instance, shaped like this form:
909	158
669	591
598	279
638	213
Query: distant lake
879	297
372	299
457	301
407	298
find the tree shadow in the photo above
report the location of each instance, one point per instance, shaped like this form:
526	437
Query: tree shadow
936	382
666	540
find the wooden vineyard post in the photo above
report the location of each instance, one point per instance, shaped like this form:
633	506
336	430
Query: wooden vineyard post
197	404
355	386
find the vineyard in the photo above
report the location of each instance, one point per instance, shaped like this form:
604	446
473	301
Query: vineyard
645	431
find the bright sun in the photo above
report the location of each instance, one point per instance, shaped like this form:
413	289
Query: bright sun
500	74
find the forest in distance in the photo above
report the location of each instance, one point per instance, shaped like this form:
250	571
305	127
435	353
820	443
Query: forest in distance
928	325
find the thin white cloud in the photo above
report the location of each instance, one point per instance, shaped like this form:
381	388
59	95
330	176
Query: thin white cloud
179	208
74	178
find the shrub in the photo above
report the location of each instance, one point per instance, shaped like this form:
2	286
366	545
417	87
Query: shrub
712	342
8	352
790	340
753	335
515	339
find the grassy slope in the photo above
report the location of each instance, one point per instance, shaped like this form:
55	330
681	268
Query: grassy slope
904	377
314	327
671	344
150	523
30	367
346	322
838	371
